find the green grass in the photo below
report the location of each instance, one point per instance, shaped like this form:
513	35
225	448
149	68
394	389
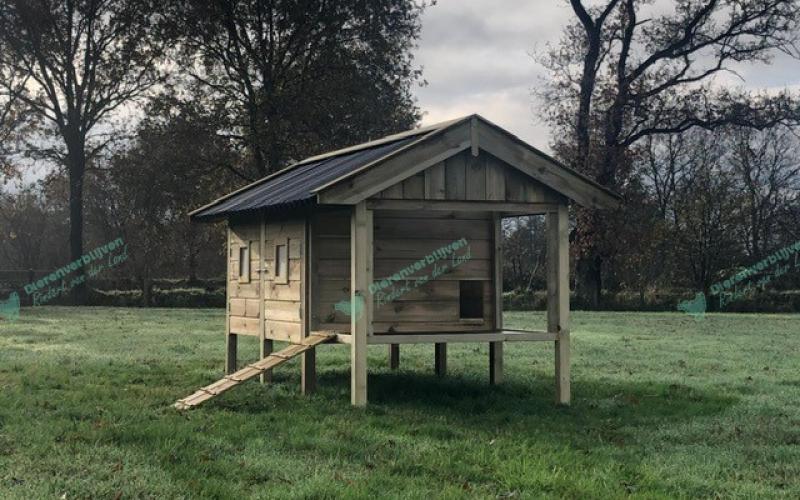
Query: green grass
663	406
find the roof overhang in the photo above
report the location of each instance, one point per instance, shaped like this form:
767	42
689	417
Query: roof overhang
377	165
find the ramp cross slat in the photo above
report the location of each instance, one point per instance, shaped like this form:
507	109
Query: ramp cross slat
251	371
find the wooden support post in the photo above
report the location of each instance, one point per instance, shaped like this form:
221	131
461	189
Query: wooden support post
266	349
558	297
308	362
308	377
230	343
394	356
231	347
361	265
440	361
495	363
496	348
265	345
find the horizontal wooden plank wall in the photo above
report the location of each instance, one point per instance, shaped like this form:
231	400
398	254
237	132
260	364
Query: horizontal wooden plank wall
400	239
464	177
243	299
283	300
331	231
404	237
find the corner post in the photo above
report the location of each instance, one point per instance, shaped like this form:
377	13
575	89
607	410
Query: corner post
231	341
264	344
361	266
496	348
308	362
558	297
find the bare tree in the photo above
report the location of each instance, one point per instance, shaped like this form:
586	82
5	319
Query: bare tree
72	64
768	169
652	74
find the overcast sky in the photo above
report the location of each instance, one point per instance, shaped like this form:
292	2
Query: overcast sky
476	56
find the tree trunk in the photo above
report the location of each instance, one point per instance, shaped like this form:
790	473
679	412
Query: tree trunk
76	157
589	283
255	142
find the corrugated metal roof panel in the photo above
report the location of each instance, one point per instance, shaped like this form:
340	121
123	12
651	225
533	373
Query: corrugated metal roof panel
297	184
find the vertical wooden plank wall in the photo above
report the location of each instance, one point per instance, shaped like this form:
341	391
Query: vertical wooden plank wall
470	177
558	297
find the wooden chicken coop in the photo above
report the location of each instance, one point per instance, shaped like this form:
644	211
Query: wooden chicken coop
396	241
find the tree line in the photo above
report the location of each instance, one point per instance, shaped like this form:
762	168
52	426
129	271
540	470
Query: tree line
221	92
145	110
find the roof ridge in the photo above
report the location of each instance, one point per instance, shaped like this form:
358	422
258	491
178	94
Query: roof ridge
383	140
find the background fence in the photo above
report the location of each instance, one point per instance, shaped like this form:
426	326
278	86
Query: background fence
124	291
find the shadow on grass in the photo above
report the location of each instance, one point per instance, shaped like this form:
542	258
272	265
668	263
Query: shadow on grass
467	400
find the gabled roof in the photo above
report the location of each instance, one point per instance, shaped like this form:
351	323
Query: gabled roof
352	174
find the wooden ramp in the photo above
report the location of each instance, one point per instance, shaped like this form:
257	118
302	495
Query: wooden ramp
252	370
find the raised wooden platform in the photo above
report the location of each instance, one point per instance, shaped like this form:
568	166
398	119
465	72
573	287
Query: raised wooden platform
446	338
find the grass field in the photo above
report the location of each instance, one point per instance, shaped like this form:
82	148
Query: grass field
663	406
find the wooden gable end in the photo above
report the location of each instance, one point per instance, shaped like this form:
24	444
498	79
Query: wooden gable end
464	177
463	151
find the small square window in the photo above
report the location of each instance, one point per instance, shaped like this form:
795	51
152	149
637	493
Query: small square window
244	264
470	298
282	263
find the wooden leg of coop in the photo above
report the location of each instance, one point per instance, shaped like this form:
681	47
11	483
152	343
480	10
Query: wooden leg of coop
562	369
495	363
440	361
394	356
266	350
308	377
231	346
558	296
361	267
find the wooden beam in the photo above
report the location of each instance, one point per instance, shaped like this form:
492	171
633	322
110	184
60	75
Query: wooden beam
308	361
440	359
532	336
496	348
473	135
415	158
535	164
361	233
394	356
463	206
449	338
558	297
